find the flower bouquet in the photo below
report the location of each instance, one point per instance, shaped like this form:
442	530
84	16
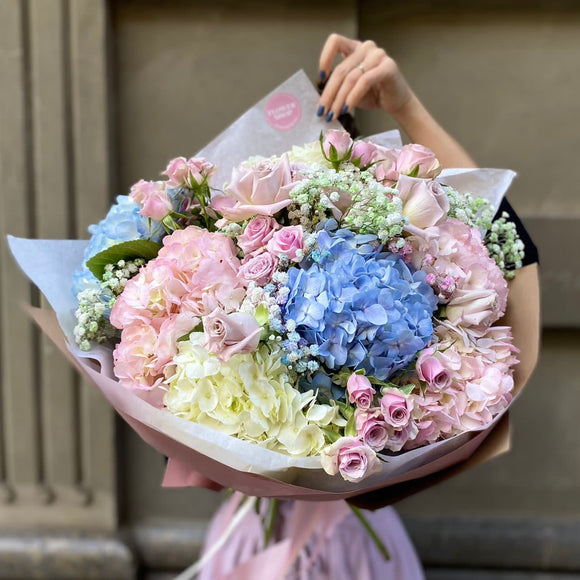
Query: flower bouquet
314	322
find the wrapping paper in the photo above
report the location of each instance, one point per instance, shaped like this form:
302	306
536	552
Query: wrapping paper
199	455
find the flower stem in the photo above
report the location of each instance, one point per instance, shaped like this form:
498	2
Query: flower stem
374	536
272	513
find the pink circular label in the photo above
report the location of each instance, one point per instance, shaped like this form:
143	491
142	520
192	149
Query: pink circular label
283	111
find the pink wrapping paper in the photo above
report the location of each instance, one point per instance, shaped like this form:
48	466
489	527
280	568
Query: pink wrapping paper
188	466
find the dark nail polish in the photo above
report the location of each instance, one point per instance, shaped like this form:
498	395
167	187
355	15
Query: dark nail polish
322	75
329	117
344	109
320	111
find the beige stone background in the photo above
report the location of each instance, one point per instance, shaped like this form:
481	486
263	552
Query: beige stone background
95	95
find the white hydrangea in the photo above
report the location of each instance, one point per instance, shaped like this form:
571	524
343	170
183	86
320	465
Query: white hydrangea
250	396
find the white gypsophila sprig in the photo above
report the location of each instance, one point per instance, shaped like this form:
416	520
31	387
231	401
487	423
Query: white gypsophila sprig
92	325
375	209
372	207
95	304
473	211
505	246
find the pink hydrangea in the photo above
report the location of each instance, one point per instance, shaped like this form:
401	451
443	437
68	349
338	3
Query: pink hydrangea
480	386
135	358
195	273
467	279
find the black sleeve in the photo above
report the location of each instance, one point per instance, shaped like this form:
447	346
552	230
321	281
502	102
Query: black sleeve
531	251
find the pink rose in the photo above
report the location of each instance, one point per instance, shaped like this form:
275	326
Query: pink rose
385	164
189	173
153	199
258	269
430	369
364	152
351	458
230	334
398	438
418	161
360	391
263	189
473	307
425	202
371	426
289	242
336	144
257	234
395	408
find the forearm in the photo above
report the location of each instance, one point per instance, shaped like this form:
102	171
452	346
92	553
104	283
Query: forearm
523	315
422	128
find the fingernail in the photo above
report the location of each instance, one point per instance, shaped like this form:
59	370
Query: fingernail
322	75
344	109
329	116
320	111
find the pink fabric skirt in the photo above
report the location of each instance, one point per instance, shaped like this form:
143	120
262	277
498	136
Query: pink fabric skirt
311	541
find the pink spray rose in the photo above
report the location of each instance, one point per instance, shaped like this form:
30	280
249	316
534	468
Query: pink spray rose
153	199
190	172
371	426
350	457
396	408
431	370
258	269
257	234
289	242
360	391
398	438
425	202
364	151
418	161
230	334
385	165
262	189
340	140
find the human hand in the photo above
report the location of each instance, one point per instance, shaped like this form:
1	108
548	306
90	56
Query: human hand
367	77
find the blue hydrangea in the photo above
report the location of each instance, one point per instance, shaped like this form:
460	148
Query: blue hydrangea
122	223
364	308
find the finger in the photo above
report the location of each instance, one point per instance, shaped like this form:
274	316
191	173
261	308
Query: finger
358	82
338	76
335	44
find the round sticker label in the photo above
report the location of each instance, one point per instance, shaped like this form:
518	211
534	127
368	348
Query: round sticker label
283	111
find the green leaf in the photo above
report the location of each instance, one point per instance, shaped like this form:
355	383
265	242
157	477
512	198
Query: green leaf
350	429
407	389
330	435
145	249
415	171
261	314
